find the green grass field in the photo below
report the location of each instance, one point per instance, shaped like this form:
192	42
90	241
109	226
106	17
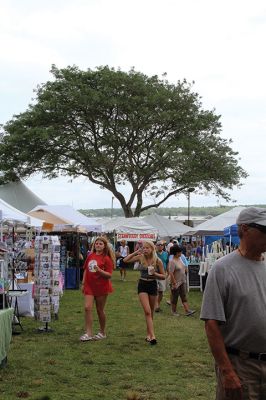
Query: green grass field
57	366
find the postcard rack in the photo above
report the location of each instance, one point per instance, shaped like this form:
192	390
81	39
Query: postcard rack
46	272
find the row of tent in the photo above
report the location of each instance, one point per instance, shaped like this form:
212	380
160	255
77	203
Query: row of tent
219	226
18	203
63	217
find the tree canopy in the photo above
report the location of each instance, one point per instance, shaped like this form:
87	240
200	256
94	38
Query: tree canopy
116	128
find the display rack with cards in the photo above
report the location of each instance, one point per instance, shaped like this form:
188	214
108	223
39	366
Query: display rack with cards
47	282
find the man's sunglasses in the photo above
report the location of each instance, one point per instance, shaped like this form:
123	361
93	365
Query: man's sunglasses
261	228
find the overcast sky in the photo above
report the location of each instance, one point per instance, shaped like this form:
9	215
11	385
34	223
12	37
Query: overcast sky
218	44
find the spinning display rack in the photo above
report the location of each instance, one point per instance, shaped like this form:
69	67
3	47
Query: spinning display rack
47	285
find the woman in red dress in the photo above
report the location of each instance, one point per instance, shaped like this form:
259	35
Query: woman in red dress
96	285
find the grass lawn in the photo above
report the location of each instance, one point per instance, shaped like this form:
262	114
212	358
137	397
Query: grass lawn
57	366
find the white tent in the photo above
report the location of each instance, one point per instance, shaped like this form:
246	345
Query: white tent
9	214
18	195
215	226
166	227
130	229
60	215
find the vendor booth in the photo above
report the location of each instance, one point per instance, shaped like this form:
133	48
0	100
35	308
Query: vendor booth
65	215
215	226
15	226
12	221
215	244
74	246
212	230
73	229
9	215
129	229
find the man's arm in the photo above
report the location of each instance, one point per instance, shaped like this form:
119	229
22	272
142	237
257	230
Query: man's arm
230	380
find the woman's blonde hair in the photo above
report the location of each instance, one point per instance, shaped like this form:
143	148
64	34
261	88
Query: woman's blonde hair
143	259
107	251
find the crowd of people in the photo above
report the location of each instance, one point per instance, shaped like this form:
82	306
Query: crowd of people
160	267
233	307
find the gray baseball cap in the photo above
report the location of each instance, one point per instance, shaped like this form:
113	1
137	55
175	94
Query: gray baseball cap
252	215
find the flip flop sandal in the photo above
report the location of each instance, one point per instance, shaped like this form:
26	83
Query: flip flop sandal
86	338
99	336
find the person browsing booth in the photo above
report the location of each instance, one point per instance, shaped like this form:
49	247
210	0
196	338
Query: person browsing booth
161	284
234	311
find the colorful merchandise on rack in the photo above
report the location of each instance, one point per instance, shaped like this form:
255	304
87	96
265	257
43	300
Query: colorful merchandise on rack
47	277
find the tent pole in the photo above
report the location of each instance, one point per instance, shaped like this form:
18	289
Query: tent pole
114	239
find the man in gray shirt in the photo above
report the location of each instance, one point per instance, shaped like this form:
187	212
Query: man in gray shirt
234	311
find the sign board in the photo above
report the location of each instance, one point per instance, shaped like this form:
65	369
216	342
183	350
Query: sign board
194	279
47	227
135	237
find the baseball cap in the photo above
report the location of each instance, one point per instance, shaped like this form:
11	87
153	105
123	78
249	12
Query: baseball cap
252	215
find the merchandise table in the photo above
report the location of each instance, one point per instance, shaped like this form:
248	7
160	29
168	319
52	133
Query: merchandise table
6	317
14	296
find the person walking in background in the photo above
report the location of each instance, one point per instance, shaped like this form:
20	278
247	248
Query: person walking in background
121	253
184	247
233	309
161	284
184	261
96	285
177	272
151	269
169	245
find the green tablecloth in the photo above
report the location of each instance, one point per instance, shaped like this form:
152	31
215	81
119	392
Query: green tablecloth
5	331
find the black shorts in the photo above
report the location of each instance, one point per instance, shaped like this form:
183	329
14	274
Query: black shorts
122	264
149	287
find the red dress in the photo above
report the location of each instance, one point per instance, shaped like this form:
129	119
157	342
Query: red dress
95	284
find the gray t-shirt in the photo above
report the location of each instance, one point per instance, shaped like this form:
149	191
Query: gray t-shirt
235	295
144	272
179	270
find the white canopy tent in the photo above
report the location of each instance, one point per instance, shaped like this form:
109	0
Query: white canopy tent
167	228
130	229
10	213
10	216
215	226
62	215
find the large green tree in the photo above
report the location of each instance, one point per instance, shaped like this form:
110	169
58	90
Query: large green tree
116	127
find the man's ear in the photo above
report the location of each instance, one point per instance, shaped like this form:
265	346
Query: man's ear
244	228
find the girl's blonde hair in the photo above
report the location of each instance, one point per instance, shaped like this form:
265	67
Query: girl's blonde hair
143	259
107	251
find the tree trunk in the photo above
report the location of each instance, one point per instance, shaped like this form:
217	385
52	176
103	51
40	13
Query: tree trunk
128	211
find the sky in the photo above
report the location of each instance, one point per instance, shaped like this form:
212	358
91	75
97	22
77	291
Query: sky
218	44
